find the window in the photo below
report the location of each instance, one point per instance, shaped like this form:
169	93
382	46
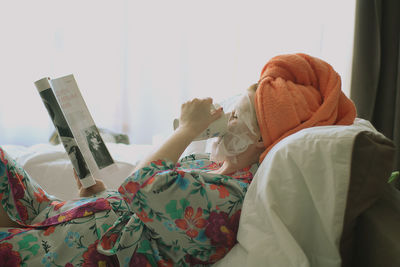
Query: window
137	61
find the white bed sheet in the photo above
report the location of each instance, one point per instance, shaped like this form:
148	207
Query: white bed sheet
50	166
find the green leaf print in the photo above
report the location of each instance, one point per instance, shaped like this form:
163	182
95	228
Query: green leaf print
95	230
176	245
3	187
202	191
184	203
24	243
23	263
173	211
34	249
105	227
151	260
144	247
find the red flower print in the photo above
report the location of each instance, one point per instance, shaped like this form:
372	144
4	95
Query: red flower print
246	169
92	258
181	173
17	230
212	166
234	221
22	211
108	242
19	177
130	187
219	254
222	230
9	257
121	190
144	217
139	260
57	204
41	196
223	192
127	200
158	162
17	187
164	263
194	261
49	231
189	223
100	204
69	265
149	181
2	157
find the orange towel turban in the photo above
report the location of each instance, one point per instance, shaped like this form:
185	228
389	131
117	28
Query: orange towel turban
297	91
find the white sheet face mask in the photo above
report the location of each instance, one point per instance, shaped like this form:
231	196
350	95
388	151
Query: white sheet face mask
242	131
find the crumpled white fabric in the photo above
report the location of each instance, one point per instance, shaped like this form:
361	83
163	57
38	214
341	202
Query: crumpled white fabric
294	209
240	133
50	166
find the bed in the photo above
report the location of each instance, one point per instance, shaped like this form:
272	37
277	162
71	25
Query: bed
313	202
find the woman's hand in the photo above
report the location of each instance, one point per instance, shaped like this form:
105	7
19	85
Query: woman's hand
195	118
196	115
87	192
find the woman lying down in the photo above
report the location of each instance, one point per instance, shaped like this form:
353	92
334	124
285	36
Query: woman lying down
171	212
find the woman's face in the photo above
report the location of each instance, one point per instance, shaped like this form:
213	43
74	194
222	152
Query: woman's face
243	115
242	130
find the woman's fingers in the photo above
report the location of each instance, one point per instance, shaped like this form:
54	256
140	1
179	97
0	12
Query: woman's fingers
94	189
197	114
99	186
201	104
78	182
216	114
208	100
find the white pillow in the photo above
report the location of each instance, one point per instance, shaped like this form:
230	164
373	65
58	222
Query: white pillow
294	209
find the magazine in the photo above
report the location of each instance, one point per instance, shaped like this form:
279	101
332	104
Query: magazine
77	131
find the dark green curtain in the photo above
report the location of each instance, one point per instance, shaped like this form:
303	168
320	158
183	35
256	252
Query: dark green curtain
375	86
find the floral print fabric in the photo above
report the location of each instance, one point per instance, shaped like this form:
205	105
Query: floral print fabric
162	215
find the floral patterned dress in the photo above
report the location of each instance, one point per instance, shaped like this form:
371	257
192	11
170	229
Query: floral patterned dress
164	214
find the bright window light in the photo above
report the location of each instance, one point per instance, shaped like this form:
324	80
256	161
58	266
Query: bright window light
137	61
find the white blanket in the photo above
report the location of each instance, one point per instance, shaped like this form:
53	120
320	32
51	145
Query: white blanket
50	166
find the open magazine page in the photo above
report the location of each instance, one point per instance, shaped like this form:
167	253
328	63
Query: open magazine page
85	132
64	131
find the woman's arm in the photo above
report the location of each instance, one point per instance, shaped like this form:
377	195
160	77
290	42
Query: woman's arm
195	117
